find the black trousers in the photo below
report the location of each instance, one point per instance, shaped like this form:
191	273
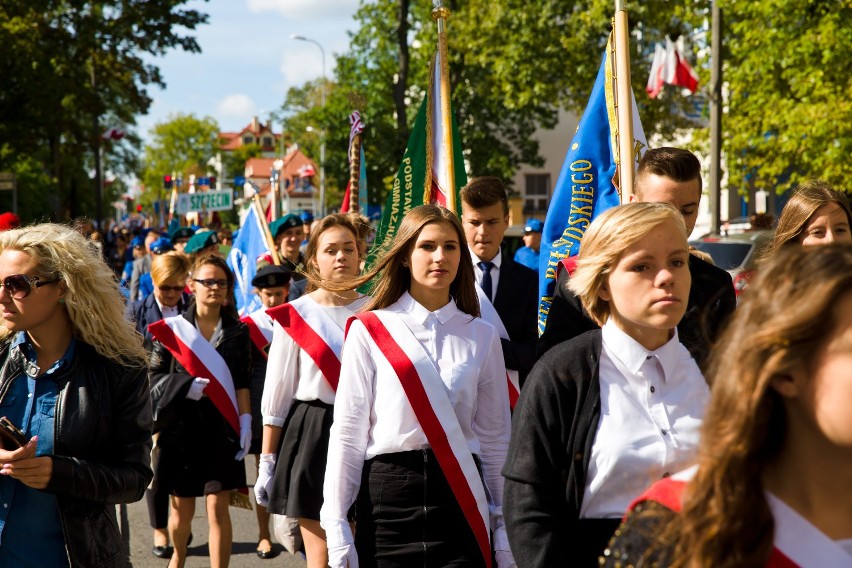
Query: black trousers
407	516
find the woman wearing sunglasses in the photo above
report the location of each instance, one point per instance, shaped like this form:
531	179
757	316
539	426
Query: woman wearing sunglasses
199	373
72	378
169	274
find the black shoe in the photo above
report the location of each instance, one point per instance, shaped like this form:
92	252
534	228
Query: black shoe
189	540
162	551
266	554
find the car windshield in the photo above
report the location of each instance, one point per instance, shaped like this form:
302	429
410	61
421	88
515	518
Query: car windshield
726	255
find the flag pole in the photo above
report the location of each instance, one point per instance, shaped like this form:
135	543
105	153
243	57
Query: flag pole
441	14
624	102
354	172
264	228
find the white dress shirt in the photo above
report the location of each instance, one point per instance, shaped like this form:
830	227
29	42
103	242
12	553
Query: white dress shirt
495	270
652	405
291	374
372	415
168	312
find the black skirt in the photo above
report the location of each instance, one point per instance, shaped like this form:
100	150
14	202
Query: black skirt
300	470
407	516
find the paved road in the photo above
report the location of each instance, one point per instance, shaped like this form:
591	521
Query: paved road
245	539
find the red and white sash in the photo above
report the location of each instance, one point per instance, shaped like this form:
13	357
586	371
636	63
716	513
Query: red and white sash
797	543
316	333
260	329
200	359
428	398
489	314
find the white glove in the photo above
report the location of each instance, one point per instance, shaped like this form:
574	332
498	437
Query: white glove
245	436
265	471
196	389
504	559
342	556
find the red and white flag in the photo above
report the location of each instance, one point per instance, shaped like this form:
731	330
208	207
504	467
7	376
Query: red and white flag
670	67
113	134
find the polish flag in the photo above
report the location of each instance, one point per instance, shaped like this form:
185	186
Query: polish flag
113	134
670	67
656	79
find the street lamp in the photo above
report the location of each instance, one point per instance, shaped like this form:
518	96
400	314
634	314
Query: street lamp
322	137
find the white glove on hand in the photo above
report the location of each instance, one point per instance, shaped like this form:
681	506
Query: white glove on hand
343	556
245	436
504	559
265	472
196	389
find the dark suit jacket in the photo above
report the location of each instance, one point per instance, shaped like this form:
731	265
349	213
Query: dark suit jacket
711	301
516	302
145	311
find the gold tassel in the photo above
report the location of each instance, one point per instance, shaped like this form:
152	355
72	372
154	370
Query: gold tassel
240	500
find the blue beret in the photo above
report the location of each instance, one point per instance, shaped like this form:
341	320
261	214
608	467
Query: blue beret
288	221
307	216
200	241
161	245
137	242
534	226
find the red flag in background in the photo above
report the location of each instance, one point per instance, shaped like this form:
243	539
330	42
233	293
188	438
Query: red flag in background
113	134
670	68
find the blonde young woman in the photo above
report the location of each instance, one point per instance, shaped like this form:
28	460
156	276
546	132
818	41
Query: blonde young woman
421	417
199	372
606	413
73	381
772	484
302	375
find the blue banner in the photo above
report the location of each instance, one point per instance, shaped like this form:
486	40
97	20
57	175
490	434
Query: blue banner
248	246
584	188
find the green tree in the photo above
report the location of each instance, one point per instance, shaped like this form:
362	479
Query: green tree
789	79
71	70
182	146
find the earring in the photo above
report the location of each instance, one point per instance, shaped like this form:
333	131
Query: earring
61	300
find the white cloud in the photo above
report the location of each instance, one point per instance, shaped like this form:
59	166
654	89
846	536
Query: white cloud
236	106
306	10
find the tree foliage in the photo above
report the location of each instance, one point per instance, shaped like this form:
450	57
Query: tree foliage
788	74
72	69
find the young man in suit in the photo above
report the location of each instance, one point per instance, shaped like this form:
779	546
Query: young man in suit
673	176
510	287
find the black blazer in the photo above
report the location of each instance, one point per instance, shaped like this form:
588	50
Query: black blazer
711	301
516	302
146	311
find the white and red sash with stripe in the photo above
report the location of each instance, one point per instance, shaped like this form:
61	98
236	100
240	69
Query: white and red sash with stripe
260	329
316	333
428	398
200	359
797	543
489	314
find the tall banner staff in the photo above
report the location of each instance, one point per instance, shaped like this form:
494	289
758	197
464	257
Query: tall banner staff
264	227
355	198
624	103
441	14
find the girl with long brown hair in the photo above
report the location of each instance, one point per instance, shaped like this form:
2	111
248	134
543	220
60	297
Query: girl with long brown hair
302	374
421	419
772	483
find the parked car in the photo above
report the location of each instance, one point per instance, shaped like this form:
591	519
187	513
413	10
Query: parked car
736	253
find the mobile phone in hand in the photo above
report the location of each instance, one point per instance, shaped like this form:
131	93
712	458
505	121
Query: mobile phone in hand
11	436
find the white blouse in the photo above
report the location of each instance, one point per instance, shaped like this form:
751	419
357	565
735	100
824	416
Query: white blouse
372	415
652	405
291	374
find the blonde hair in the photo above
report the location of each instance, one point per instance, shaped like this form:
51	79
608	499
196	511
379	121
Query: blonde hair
605	241
93	300
169	265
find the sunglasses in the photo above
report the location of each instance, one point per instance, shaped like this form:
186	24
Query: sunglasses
173	288
19	286
211	282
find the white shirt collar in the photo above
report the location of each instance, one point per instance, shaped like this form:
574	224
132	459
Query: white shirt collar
633	355
497	260
421	314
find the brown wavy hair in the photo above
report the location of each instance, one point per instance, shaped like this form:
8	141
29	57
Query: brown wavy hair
785	317
351	222
802	205
391	279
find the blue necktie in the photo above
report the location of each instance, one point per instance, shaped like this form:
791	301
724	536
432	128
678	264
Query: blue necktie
486	278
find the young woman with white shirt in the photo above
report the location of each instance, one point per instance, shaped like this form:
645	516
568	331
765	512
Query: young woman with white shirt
604	414
302	375
421	419
772	483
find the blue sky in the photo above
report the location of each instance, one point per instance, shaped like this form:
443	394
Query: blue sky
247	60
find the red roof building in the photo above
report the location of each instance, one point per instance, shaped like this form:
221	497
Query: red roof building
254	133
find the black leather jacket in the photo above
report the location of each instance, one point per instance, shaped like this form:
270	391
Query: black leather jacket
102	449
